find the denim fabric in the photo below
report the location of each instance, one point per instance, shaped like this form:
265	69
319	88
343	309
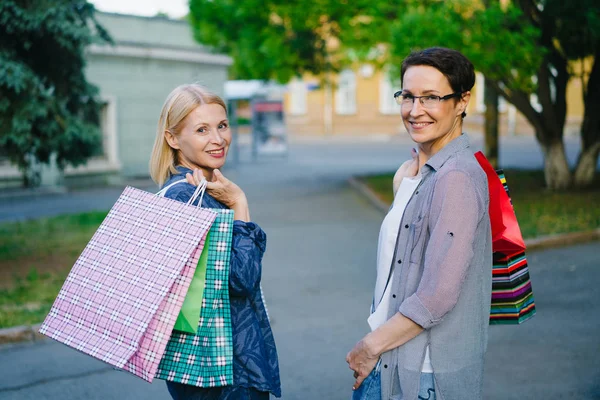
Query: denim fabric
255	362
427	387
186	392
370	389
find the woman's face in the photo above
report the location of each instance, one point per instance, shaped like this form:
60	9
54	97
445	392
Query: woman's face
433	127
204	139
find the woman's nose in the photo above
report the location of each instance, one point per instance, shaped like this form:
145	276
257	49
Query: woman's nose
417	108
216	136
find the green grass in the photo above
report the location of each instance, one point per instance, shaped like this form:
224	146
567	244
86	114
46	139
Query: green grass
35	258
30	298
540	212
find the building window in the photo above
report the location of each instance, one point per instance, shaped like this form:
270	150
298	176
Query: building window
298	97
345	93
387	88
107	158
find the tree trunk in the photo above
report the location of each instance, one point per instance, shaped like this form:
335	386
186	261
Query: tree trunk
490	99
556	167
586	166
590	128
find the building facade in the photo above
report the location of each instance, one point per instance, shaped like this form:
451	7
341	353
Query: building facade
150	57
360	102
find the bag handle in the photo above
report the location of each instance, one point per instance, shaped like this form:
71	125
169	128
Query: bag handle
200	190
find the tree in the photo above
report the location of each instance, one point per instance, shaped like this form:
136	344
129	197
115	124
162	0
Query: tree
274	39
525	47
47	108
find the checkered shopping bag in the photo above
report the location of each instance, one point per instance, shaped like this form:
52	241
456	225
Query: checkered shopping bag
205	358
121	299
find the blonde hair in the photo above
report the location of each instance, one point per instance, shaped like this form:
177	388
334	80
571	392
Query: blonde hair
180	102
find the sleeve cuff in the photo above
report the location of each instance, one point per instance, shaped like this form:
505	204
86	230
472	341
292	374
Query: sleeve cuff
414	309
251	231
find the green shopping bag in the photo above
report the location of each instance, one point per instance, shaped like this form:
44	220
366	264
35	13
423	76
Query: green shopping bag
189	315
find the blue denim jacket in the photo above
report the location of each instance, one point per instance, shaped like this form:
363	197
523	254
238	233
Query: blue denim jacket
255	363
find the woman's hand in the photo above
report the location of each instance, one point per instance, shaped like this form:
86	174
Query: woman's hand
408	168
225	191
361	360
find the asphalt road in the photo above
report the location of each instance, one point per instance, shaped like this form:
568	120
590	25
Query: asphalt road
318	278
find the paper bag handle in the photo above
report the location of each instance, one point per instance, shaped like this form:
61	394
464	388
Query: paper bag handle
200	189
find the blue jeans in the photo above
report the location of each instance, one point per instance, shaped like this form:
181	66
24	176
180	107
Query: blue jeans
427	387
179	391
370	388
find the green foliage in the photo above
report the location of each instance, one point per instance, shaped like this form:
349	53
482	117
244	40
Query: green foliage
47	108
272	39
495	39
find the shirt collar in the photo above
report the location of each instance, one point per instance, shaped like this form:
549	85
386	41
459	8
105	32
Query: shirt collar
183	170
453	147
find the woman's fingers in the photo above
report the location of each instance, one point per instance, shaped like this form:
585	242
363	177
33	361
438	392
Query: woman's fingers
358	382
195	178
190	179
198	176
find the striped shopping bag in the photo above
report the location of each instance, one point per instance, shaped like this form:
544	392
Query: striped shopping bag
205	358
121	298
512	295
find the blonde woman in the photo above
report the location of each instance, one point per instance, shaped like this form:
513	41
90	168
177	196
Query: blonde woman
192	142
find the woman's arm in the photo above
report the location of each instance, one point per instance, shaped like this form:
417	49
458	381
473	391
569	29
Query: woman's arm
455	213
247	249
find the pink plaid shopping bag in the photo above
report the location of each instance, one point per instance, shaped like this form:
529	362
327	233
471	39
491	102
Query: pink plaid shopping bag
122	297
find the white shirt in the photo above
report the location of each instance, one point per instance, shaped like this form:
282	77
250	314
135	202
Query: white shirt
385	253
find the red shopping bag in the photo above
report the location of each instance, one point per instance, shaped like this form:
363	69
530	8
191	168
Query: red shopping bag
512	296
506	234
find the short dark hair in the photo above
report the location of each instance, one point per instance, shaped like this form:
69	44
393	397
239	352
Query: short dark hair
451	63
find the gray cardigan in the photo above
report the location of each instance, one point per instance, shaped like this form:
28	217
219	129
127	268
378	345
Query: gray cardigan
443	279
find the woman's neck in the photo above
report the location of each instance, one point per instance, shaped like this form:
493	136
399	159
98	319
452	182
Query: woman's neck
207	173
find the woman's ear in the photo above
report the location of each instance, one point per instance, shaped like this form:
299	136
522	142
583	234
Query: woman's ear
463	102
171	140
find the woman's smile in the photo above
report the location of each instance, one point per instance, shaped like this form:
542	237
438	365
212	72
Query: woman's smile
220	153
419	125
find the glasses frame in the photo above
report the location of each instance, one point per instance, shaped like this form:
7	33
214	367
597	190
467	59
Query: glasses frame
398	95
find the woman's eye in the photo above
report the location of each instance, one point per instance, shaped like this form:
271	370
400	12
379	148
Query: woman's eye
223	126
202	130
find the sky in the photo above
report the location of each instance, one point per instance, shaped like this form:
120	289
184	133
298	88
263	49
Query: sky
174	8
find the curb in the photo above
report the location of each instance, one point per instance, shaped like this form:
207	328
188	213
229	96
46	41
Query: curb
538	243
18	334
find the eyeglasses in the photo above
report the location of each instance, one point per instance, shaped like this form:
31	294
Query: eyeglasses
429	101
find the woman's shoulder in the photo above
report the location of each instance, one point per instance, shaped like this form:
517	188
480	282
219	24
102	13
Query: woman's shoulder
178	188
463	162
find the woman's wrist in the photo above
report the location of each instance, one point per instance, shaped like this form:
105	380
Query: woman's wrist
372	344
240	209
